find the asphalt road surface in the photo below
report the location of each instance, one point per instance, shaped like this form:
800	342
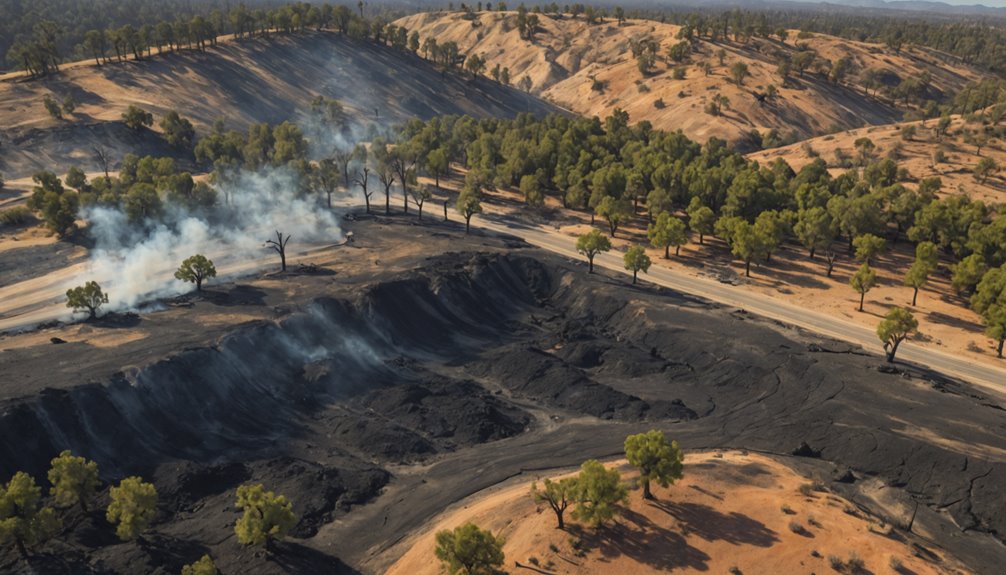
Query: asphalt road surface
986	376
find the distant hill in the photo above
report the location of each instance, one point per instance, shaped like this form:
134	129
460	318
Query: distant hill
591	69
242	82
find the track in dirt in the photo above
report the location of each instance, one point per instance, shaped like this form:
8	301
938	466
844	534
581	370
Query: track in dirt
380	399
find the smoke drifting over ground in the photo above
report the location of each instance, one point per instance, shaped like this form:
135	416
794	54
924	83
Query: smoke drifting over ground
134	263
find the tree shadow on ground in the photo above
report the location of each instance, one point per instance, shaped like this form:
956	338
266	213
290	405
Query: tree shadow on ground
645	542
952	321
712	525
296	558
239	295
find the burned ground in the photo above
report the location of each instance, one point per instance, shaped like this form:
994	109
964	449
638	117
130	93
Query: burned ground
378	396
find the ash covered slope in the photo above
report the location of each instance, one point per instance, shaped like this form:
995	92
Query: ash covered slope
492	363
243	82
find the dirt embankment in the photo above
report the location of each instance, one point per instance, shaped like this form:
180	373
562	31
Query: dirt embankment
731	512
376	397
242	82
591	70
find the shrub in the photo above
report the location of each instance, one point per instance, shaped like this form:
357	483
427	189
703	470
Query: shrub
836	562
15	216
895	564
855	563
797	527
659	104
787	509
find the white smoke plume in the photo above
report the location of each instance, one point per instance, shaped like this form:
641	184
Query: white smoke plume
134	266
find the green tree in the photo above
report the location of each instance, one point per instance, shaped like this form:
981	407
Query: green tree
989	301
53	107
868	246
700	218
925	264
590	244
613	210
668	231
598	492
57	205
986	167
814	229
558	494
142	203
205	566
531	189
74	480
137	118
24	522
657	459
739	71
636	260
469	200
133	507
896	326
76	179
865	147
178	131
968	273
437	164
87	297
469	550
196	269
863	281
267	517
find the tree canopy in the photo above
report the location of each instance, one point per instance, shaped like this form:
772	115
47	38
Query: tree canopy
657	458
469	550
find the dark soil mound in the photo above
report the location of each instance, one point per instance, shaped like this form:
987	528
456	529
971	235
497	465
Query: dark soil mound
431	367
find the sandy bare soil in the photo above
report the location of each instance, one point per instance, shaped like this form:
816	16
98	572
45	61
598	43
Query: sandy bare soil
242	82
567	56
731	510
420	366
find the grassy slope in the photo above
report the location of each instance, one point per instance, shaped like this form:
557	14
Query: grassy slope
566	54
261	80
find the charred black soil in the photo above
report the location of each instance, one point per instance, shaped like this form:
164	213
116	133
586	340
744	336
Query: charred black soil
411	378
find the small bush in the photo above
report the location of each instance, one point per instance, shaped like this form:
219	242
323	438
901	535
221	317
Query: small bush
806	489
553	548
642	88
659	104
679	73
855	563
836	562
814	553
549	565
53	107
735	570
533	561
814	522
15	216
787	509
895	564
798	528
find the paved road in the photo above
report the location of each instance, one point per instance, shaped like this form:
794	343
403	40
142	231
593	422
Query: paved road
990	377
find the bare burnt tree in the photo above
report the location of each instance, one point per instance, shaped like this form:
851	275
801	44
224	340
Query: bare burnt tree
279	244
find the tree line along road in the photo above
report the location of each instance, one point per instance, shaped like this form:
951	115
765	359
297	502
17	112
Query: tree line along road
991	378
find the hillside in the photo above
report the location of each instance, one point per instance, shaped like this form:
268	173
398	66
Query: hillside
920	153
733	512
248	81
567	61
